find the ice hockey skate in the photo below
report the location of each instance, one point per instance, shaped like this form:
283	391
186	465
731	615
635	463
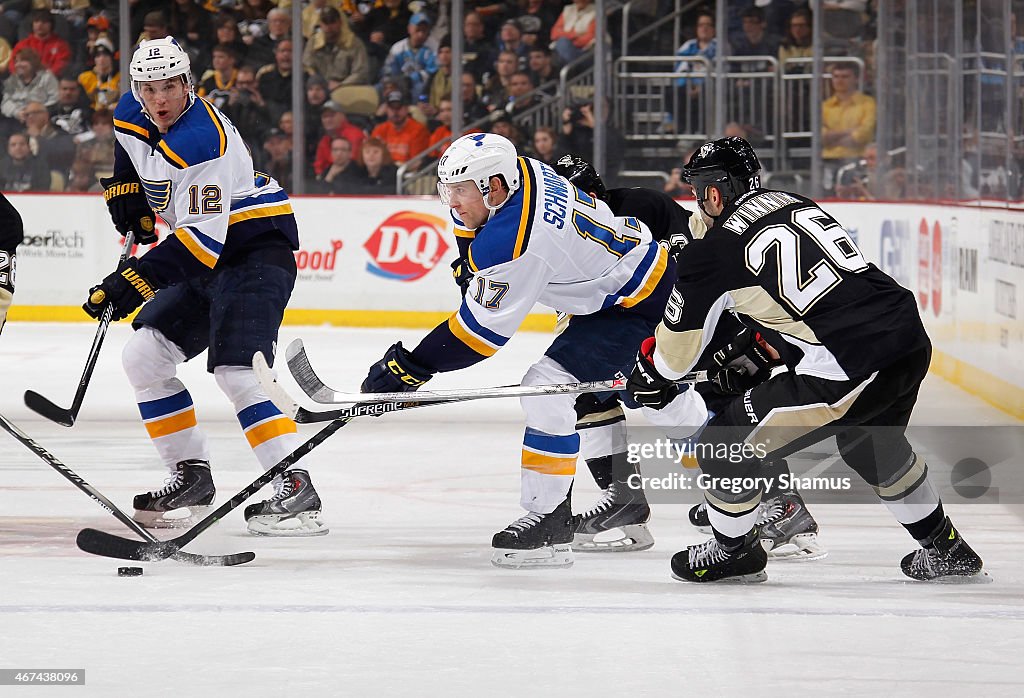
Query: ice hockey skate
788	531
294	510
698	516
616	523
949	560
183	500
536	540
709	562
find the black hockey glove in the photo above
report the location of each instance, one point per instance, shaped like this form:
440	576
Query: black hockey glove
645	384
129	209
397	372
462	274
125	289
744	362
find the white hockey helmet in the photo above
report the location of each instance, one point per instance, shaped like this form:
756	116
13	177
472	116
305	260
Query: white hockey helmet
159	59
477	157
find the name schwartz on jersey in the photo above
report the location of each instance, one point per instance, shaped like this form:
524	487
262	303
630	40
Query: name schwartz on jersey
551	244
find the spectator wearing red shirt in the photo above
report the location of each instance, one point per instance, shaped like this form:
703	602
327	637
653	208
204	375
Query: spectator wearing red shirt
54	52
336	124
404	137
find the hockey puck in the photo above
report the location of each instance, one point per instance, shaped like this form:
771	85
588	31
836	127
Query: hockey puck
129	571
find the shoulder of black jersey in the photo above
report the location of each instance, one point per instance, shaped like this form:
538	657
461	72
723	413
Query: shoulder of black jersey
129	119
657	210
506	236
703	258
198	136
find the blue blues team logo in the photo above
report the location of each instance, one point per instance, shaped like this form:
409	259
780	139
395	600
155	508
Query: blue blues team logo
158	194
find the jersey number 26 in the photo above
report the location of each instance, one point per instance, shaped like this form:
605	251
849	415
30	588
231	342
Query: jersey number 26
801	287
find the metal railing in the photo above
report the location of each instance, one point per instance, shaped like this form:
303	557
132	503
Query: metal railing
655	100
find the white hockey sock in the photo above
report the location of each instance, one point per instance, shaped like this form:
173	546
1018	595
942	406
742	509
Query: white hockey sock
150	362
271	434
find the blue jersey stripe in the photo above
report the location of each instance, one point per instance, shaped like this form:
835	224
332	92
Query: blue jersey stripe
268	198
207	241
165	405
552	443
257	413
637	279
476	328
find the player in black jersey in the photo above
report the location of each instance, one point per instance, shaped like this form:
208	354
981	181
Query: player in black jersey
856	352
12	231
787	528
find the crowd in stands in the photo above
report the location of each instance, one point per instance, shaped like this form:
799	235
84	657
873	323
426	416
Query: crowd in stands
377	79
63	82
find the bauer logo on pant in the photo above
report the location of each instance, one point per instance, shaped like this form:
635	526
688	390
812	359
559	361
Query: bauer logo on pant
406	246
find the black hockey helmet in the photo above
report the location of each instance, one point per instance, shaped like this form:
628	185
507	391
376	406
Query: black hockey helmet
730	164
582	174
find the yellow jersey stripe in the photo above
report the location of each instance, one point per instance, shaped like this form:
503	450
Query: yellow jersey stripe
172	424
195	248
265	212
216	122
524	216
172	155
470	340
464	233
549	465
652	280
262	433
129	126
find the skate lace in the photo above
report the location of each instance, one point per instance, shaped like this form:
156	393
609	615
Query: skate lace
283	488
771	511
603	504
525	522
706	554
923	562
172	483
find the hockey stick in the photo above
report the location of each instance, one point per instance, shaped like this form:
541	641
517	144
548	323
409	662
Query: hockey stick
77	481
66	417
306	378
102	543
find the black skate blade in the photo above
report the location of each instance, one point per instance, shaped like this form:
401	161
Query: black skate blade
42	406
102	543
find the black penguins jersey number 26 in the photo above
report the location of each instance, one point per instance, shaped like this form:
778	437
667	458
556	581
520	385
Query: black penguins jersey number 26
802	281
778	259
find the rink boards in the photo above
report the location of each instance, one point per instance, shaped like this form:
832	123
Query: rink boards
384	262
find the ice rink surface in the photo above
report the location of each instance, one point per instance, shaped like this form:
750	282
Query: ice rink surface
401	599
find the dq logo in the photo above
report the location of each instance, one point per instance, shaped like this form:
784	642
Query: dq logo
406	246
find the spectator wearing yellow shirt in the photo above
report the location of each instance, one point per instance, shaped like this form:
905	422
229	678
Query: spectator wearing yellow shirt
102	84
847	122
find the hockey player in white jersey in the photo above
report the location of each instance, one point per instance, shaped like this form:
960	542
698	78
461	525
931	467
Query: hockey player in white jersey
219	282
536	238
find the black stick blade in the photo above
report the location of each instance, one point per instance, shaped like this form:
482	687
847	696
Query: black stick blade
106	544
55	413
214	560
